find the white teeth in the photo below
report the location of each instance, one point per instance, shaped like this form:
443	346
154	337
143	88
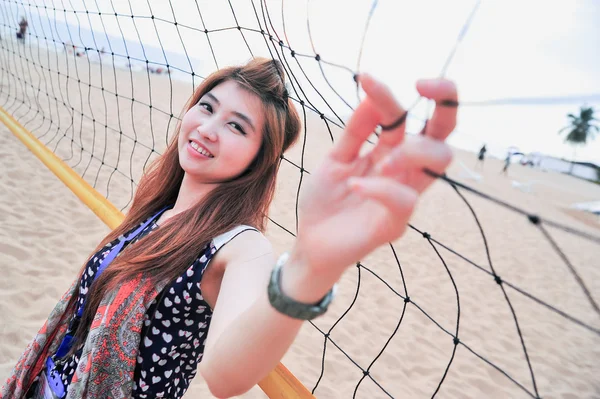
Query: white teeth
199	149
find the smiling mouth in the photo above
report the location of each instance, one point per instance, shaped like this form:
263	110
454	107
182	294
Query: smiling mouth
200	150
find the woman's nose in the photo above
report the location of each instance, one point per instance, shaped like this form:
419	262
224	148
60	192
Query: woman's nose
208	131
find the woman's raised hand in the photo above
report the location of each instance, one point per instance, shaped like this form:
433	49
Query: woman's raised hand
355	203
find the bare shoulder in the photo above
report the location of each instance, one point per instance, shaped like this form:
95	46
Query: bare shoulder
244	247
247	255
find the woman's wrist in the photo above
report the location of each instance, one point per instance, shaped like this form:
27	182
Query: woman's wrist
303	283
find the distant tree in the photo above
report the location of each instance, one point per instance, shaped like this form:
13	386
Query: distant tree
581	128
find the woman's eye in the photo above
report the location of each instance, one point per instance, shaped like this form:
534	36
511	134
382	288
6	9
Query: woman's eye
238	127
206	106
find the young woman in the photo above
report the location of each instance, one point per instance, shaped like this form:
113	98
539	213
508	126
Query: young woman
188	282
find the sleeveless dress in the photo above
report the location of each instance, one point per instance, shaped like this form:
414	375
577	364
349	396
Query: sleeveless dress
175	325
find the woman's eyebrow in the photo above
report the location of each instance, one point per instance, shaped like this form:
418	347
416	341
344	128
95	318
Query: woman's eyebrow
215	99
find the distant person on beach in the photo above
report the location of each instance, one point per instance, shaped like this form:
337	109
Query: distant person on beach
481	156
70	48
158	70
22	29
189	282
506	164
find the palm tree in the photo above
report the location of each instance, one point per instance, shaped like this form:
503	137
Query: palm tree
580	129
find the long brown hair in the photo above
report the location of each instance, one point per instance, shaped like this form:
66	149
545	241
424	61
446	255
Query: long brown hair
171	249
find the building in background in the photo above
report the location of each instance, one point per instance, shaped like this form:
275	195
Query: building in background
584	170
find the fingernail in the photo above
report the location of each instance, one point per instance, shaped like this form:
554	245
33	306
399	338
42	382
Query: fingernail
365	77
429	83
437	84
355	183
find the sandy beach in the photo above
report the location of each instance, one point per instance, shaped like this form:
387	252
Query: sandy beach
46	234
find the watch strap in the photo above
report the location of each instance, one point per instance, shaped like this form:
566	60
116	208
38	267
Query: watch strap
290	307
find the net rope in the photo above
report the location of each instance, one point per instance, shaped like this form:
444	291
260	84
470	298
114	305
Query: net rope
102	144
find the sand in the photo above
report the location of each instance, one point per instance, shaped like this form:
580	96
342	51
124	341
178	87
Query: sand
46	234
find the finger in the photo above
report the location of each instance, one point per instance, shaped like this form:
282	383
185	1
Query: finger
360	126
398	198
407	162
393	116
444	93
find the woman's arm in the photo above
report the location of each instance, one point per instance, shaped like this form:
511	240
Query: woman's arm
247	336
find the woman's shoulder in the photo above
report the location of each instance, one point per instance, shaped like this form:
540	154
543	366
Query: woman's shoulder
241	242
229	236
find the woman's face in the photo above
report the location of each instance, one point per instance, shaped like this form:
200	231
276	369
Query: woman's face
221	135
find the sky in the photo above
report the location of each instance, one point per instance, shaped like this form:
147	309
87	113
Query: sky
540	54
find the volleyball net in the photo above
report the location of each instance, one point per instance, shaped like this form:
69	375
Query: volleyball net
102	84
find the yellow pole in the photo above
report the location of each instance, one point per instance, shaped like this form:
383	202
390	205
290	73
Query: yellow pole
279	384
106	211
282	384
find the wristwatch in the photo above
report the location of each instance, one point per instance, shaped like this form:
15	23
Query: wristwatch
289	306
